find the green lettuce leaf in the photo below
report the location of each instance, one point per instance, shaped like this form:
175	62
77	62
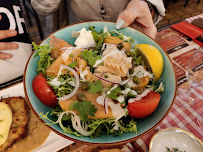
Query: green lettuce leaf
45	60
89	57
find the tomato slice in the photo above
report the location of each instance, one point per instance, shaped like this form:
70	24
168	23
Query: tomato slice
43	91
144	107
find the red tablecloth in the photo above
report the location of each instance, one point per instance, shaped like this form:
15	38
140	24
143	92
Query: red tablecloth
180	117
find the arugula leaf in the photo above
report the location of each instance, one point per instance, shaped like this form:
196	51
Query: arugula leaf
114	93
85	109
88	56
73	65
95	87
92	28
95	36
122	36
100	41
98	37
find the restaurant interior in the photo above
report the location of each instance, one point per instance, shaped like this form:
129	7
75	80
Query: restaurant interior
180	126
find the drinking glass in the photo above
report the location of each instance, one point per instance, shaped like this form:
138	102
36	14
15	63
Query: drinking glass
194	76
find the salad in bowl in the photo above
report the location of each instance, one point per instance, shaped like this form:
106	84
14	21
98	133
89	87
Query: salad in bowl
102	83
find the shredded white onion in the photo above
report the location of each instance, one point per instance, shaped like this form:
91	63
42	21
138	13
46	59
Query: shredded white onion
76	84
76	122
105	104
67	48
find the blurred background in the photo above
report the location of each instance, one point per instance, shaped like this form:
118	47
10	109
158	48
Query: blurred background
176	11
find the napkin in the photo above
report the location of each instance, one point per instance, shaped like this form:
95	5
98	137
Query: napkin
190	30
14	67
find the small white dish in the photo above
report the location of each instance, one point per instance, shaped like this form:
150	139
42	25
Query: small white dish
175	138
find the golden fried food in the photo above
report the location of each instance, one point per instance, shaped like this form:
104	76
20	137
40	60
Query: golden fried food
57	44
20	112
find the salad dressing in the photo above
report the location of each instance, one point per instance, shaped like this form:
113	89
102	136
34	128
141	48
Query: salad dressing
55	82
140	96
116	108
140	72
68	51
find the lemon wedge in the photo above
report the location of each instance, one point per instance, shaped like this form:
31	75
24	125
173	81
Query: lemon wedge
152	58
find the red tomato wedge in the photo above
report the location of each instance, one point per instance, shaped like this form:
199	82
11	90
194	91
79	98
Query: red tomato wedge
43	91
144	107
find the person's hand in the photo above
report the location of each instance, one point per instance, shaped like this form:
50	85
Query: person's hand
5	45
138	16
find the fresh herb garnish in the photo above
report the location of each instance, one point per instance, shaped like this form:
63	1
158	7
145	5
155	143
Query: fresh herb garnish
114	93
173	150
85	109
95	87
73	65
71	55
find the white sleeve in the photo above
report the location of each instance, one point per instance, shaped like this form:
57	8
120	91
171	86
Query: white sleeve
45	7
160	8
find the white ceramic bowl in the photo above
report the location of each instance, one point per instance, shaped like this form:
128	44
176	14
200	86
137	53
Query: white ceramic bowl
175	138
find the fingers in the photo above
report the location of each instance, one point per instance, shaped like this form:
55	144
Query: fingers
7	33
5	56
137	14
8	46
151	31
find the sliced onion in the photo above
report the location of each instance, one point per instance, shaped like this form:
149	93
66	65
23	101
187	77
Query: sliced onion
76	84
67	48
76	68
105	105
73	60
106	79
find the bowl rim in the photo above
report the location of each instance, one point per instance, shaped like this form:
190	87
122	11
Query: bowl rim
172	128
100	144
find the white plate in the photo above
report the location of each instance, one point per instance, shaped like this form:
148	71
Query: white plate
175	138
